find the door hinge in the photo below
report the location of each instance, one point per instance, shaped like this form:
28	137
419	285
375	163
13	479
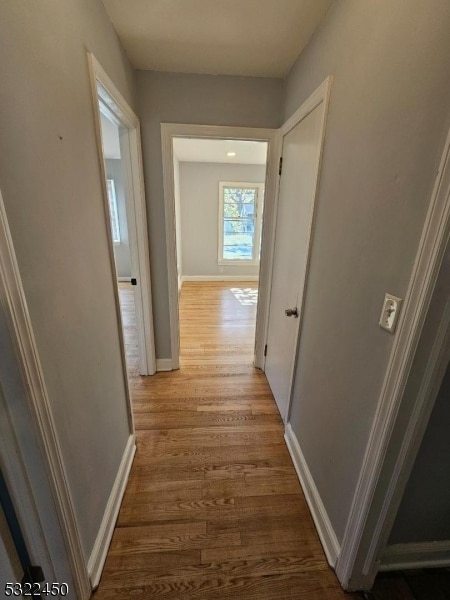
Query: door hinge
133	281
265	350
280	166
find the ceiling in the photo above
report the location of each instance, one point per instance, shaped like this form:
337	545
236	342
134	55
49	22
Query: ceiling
259	38
215	151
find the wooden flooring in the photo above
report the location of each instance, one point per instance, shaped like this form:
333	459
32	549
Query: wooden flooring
213	507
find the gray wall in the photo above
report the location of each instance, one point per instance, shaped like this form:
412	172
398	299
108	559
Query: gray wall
20	447
51	182
389	113
199	194
424	513
199	99
10	569
121	250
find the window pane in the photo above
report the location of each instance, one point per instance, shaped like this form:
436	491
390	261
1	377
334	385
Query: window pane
238	226
239	202
238	239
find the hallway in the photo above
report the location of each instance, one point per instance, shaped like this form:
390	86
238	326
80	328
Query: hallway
213	507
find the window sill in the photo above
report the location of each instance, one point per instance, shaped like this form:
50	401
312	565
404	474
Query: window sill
238	263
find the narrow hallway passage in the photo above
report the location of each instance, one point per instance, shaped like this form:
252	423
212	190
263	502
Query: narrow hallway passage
213	507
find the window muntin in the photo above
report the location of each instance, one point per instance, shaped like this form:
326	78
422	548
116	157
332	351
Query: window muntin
240	222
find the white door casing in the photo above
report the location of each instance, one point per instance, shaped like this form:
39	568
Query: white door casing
31	457
107	99
302	143
172	130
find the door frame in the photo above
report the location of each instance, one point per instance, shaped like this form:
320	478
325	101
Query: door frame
390	454
38	413
321	95
115	107
173	130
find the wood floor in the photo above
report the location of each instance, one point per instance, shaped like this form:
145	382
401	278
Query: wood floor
213	508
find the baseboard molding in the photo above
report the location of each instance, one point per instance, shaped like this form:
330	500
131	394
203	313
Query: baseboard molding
103	540
319	514
124	279
164	364
416	556
219	278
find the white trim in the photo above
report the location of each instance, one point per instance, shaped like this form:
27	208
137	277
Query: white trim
164	364
99	551
15	303
424	555
243	278
259	207
434	373
124	279
319	514
382	479
105	93
168	132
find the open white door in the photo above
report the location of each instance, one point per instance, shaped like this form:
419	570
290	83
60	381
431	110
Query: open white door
302	141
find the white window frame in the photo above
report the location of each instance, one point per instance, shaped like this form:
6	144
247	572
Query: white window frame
113	211
259	187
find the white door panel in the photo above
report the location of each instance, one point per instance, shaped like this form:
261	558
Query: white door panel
301	157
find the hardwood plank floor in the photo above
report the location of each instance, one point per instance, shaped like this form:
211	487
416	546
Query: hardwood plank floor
213	507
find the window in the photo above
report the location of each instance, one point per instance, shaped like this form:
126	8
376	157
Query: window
240	217
113	212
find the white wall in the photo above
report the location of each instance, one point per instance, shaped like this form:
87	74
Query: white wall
199	193
388	118
176	177
121	249
203	100
51	182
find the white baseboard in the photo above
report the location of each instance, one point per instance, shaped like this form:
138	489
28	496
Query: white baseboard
416	556
319	514
124	279
103	539
219	278
164	364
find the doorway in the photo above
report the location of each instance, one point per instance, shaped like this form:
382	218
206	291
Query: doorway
118	134
219	190
254	243
118	221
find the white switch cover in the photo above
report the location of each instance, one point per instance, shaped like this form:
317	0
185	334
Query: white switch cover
390	312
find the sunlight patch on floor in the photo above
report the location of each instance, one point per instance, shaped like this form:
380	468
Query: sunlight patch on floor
246	296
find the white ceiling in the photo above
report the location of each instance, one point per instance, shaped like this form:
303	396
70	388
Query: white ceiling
110	138
215	151
260	38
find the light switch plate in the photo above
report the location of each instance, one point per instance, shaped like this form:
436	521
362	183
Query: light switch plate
390	312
